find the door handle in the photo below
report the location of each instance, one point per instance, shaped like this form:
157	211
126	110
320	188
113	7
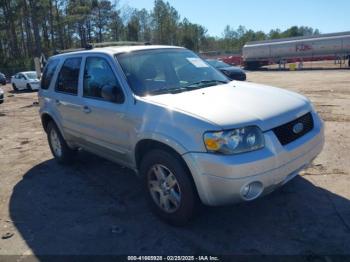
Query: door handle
58	102
87	109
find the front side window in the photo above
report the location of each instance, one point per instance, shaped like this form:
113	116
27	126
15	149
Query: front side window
48	73
68	78
159	71
98	74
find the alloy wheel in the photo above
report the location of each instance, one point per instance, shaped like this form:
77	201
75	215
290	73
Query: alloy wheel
55	143
164	188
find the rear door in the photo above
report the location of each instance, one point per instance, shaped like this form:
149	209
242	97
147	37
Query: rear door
67	102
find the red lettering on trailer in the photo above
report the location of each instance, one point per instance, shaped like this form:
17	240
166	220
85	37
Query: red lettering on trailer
303	48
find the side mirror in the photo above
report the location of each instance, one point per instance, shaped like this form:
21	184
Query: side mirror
112	94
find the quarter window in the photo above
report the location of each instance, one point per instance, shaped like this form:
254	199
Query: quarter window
68	78
48	73
97	74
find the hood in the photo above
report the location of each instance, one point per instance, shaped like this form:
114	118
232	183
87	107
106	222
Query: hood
238	104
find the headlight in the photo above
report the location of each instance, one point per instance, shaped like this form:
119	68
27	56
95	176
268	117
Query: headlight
234	141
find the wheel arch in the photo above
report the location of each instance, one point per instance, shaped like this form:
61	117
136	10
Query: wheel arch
46	118
147	144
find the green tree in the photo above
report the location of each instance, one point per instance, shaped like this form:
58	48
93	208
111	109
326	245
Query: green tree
165	22
78	13
133	28
191	35
102	14
29	28
274	34
145	23
116	26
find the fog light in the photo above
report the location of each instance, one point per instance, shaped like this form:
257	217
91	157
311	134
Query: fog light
245	190
252	190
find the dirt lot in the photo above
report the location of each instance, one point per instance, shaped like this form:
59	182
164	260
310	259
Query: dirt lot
97	207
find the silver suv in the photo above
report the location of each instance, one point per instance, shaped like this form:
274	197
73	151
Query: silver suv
190	134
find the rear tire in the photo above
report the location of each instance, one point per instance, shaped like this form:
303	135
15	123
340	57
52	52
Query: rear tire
59	148
173	197
14	87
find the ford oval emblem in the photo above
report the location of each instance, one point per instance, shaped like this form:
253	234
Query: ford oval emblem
298	128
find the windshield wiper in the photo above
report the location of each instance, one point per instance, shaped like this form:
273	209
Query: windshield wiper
168	90
204	83
189	87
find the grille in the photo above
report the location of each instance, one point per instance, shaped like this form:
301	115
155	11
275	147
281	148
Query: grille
285	133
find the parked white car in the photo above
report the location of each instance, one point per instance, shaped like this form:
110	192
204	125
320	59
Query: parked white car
1	96
25	80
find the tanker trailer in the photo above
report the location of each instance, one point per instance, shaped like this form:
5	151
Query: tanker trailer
307	48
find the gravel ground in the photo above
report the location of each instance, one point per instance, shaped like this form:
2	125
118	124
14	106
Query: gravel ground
97	207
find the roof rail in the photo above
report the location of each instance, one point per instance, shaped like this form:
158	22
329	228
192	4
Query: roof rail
57	52
90	46
119	43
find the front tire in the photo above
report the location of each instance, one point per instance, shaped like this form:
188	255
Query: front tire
29	87
169	187
59	148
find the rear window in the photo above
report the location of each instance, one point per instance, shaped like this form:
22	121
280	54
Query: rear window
31	75
49	71
68	78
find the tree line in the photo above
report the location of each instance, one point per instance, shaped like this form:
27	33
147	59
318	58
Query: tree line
29	28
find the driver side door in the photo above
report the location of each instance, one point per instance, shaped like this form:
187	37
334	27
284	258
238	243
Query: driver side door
21	82
105	124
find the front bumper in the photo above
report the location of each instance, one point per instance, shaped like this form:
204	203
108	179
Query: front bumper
220	179
35	86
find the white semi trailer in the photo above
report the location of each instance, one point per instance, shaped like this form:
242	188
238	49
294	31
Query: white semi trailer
297	49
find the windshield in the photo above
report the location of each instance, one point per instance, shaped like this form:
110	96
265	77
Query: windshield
159	71
31	75
218	63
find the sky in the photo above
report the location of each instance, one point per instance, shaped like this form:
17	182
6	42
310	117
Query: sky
327	15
